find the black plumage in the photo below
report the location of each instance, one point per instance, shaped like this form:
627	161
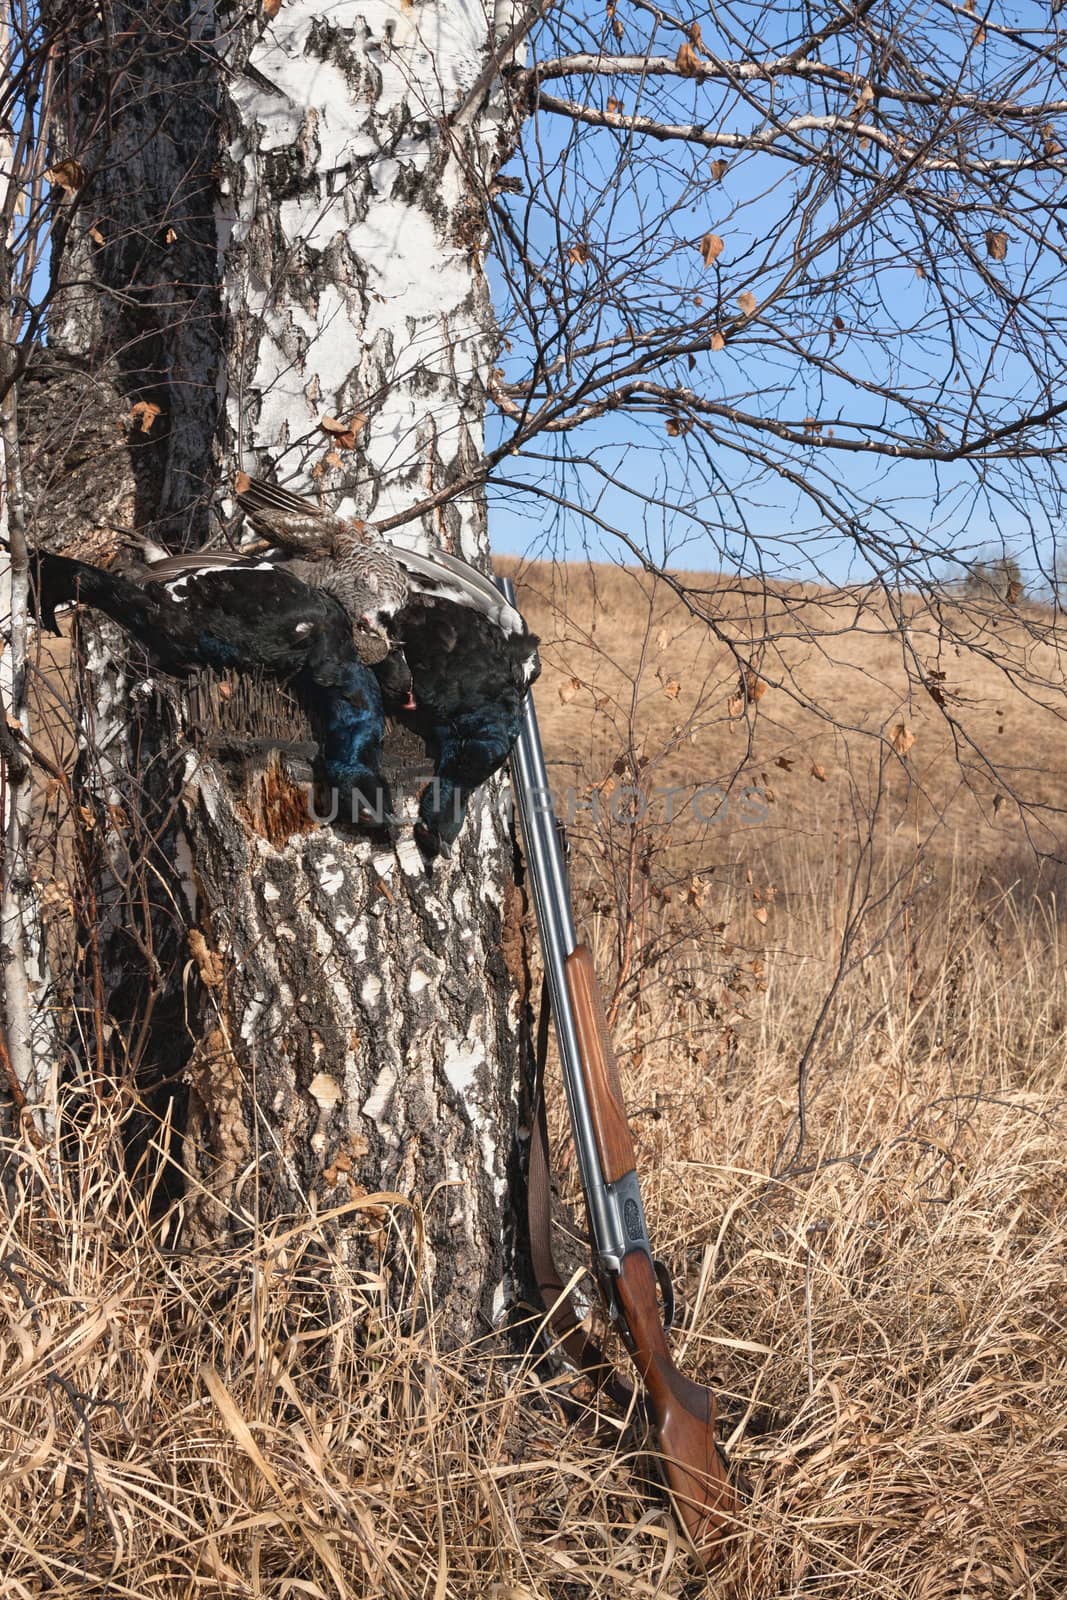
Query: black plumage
450	657
469	679
461	653
243	616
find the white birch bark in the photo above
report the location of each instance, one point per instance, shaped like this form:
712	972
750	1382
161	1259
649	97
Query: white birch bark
27	1034
359	1015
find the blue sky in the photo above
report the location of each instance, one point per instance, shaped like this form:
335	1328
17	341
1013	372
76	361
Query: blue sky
870	306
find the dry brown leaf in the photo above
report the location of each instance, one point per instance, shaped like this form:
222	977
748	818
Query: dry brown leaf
920	270
209	963
343	435
902	739
678	425
568	690
719	169
145	413
996	243
695	37
818	772
607	787
614	105
760	914
1049	142
747	301
687	61
751	686
935	684
785	762
578	255
170	236
96	236
672	689
717	341
1013	592
271	8
711	248
68	175
736	706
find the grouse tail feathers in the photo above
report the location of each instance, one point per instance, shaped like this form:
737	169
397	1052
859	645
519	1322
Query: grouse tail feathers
257	495
436	573
62	580
287	518
163	567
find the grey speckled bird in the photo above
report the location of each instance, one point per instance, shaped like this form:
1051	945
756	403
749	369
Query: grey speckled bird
334	555
299	525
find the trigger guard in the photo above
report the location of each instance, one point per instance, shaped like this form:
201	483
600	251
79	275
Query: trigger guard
666	1289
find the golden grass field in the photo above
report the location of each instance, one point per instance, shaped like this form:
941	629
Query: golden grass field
879	1297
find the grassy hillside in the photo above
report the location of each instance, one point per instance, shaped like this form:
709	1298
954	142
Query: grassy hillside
841	1006
978	688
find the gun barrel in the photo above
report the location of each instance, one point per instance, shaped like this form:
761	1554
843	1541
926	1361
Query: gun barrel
552	901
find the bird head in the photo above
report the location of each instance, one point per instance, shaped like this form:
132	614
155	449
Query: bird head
373	644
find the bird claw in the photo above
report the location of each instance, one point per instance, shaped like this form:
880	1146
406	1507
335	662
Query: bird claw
431	843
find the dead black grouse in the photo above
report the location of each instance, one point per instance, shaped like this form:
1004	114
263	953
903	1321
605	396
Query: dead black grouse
246	615
449	655
469	654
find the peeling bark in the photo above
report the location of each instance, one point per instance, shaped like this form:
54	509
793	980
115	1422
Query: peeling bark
26	1059
27	1097
359	1021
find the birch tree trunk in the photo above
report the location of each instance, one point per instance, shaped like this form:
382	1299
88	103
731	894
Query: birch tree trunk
27	1089
292	274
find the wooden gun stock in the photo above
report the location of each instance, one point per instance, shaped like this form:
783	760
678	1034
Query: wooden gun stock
683	1412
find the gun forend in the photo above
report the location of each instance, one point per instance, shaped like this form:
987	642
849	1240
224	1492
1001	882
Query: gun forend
614	1140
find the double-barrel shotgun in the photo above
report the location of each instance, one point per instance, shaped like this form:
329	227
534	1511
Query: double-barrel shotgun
683	1413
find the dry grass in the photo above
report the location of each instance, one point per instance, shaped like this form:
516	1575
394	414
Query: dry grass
884	1318
981	689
